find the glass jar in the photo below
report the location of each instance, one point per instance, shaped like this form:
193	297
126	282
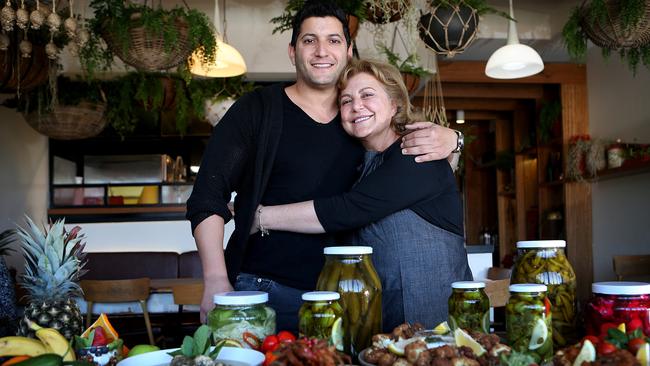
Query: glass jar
544	262
321	316
242	316
469	307
614	303
528	321
349	271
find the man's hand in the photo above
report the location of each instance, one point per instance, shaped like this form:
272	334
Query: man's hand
428	141
209	289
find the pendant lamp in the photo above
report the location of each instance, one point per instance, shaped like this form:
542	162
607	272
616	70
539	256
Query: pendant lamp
228	61
514	60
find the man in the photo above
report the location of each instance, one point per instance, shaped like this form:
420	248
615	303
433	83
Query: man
284	144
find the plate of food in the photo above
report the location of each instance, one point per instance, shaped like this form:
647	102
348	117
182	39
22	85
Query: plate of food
227	356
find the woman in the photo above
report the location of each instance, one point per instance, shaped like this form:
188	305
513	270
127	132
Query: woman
409	212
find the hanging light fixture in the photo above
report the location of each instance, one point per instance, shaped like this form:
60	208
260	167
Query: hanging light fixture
227	61
460	116
514	60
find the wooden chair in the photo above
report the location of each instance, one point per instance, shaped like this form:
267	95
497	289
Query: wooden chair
626	266
108	291
189	294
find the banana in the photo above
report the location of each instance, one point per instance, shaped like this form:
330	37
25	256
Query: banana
55	343
16	346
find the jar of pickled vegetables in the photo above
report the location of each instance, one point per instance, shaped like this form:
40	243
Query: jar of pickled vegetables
614	303
321	316
544	262
242	316
528	321
349	271
469	307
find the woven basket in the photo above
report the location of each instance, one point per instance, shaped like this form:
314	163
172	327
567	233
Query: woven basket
146	51
611	34
70	122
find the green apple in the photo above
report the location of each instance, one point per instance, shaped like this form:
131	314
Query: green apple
142	348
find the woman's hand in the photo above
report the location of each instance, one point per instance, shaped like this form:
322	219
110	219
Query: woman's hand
211	287
429	141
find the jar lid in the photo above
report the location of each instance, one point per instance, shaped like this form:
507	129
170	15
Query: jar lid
468	284
621	288
321	296
348	250
241	298
527	287
541	244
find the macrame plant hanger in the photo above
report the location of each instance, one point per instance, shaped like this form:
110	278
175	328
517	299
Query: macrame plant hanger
433	105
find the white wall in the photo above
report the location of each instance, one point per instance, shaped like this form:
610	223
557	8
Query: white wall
618	108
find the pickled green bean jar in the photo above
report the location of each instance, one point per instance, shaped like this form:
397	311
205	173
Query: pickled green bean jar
469	307
321	316
239	314
528	321
349	271
544	262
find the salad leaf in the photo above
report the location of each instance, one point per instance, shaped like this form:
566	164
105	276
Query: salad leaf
202	339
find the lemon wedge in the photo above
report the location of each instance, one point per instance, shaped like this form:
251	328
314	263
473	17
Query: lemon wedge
442	328
621	327
464	339
336	338
398	347
485	323
587	353
643	355
539	335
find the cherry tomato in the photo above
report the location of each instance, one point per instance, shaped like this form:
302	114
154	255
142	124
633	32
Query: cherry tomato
269	357
286	336
270	343
634	344
593	339
634	324
605	348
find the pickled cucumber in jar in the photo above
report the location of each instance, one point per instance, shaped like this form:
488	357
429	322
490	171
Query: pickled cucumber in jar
349	271
544	262
528	321
238	312
321	316
469	307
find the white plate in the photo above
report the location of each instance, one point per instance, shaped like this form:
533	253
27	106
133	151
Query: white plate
238	356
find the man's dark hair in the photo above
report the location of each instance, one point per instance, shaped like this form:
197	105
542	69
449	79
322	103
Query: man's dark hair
320	9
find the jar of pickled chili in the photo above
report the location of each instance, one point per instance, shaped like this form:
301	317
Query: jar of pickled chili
321	316
544	262
528	321
614	303
469	307
349	271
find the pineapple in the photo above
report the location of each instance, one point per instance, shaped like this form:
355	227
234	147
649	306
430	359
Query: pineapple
7	296
54	260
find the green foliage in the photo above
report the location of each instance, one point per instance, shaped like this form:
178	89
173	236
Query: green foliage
6	238
595	12
548	115
283	22
408	65
198	345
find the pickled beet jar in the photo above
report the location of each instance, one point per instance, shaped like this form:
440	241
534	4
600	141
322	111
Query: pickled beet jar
614	303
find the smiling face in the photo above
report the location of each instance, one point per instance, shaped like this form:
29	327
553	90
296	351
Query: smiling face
321	52
367	111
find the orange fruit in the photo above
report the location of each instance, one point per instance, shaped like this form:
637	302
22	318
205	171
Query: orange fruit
14	360
103	323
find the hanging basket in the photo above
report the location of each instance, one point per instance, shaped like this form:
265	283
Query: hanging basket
146	51
396	8
24	73
70	122
411	81
448	30
612	33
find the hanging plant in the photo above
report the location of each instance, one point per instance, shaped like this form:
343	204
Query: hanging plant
621	26
386	11
354	8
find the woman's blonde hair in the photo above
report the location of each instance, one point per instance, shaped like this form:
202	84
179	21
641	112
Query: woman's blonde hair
391	79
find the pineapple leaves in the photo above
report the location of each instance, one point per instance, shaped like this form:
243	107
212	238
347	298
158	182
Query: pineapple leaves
6	238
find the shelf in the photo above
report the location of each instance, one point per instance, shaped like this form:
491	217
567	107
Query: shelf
628	168
555	183
118	213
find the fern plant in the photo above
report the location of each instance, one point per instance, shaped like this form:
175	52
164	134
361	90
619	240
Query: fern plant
409	65
284	21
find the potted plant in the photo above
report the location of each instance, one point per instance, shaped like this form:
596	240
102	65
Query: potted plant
412	73
356	10
549	121
386	11
621	26
211	98
148	38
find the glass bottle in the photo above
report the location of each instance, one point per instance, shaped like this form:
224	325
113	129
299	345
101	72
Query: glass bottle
469	307
321	316
614	303
528	321
544	262
350	272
